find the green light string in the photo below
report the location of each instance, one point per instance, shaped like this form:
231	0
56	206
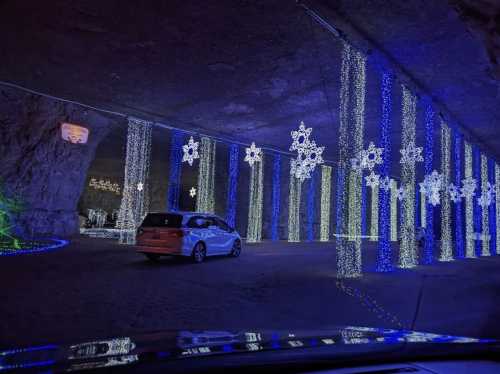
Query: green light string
469	206
446	245
326	183
206	177
485	247
254	228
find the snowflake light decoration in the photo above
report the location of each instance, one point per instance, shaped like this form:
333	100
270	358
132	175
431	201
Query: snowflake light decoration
401	193
484	200
140	186
385	183
190	151
371	156
469	186
411	154
490	189
300	138
431	186
372	180
253	154
434	198
192	192
454	193
300	170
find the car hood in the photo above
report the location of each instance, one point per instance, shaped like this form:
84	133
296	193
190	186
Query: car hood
173	349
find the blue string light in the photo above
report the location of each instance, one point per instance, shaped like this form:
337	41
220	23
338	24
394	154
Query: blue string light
232	192
478	212
459	229
311	211
492	210
54	244
276	197
174	181
384	257
428	255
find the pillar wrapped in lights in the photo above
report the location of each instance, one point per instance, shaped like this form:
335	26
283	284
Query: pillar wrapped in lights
492	208
353	72
363	209
206	177
174	180
137	159
394	211
469	206
311	209
294	209
374	213
408	253
384	255
446	253
276	197
478	214
428	253
459	233
232	192
485	224
254	228
326	186
422	209
497	206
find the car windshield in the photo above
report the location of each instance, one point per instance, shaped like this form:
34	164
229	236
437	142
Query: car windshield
260	174
162	220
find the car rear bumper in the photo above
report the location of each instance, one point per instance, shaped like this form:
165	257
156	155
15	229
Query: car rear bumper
161	250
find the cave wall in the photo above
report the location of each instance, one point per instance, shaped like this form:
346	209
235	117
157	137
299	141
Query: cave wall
45	172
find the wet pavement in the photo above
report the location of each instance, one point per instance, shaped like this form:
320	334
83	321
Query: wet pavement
95	288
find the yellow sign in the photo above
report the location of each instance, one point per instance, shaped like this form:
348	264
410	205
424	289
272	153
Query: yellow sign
74	134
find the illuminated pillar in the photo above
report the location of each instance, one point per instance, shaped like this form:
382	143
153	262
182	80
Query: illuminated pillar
469	206
446	245
206	177
394	211
174	180
276	197
232	193
374	214
254	228
294	209
485	243
326	182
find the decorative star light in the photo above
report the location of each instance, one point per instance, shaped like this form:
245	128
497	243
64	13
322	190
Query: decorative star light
484	200
469	186
140	186
371	156
431	186
411	154
434	198
401	193
300	170
300	137
253	154
454	193
385	183
372	180
490	189
192	192
190	151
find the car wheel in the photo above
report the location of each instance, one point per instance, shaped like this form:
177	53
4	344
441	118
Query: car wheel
236	250
152	256
199	253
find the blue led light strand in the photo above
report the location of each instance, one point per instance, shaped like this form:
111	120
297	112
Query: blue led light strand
232	192
276	197
54	244
428	254
384	254
311	208
174	179
492	209
459	224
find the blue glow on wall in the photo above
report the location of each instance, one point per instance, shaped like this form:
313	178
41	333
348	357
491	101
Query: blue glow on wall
459	228
232	192
174	181
428	254
478	212
311	207
384	255
275	219
492	210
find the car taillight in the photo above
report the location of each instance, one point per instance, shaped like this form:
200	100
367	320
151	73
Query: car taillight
177	233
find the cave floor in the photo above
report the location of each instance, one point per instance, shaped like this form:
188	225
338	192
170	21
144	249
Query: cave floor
95	288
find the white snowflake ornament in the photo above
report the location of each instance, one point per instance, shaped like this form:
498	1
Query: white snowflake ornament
300	137
372	180
401	193
411	154
484	200
190	151
454	193
371	156
469	186
385	183
253	154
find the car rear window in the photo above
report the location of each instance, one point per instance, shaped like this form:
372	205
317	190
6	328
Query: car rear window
162	220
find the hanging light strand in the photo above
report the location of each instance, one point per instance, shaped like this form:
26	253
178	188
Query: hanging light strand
497	206
254	229
478	214
232	193
428	253
311	208
294	209
485	225
206	177
276	197
326	183
174	180
446	245
469	206
459	229
492	208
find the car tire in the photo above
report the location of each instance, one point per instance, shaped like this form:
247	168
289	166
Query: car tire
236	250
199	253
152	257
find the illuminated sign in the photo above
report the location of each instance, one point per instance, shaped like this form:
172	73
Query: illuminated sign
74	134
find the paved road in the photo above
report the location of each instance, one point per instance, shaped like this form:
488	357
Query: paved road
96	288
